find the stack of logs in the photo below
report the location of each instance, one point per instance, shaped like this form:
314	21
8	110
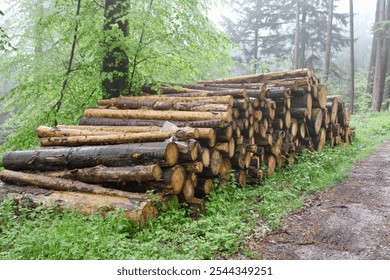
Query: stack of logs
178	141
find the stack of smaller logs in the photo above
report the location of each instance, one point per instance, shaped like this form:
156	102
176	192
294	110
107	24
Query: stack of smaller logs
177	142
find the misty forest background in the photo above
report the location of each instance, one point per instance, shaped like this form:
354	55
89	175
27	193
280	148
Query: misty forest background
58	57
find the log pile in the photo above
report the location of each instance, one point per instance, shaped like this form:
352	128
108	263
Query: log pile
179	141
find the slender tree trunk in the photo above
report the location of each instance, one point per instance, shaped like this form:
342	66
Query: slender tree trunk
297	30
328	39
256	43
255	50
351	58
386	96
70	63
385	59
370	79
379	73
303	40
116	61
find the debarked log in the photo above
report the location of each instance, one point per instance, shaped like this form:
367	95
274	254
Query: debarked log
119	138
158	115
98	121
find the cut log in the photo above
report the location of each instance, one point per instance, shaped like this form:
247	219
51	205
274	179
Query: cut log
58	184
302	102
226	168
193	167
102	174
294	127
319	140
118	138
137	122
189	150
162	153
299	113
167	102
315	122
320	101
208	134
241	177
109	129
205	156
256	78
175	177
158	115
215	162
271	164
237	93
188	191
204	187
44	131
139	209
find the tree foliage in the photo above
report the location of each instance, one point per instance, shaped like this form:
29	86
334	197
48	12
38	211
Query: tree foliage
168	41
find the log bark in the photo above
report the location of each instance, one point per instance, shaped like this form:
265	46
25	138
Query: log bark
162	153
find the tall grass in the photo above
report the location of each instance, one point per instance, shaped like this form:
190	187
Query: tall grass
231	213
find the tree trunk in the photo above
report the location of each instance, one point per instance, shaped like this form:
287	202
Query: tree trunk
371	68
351	58
296	39
165	154
328	40
379	73
115	61
302	58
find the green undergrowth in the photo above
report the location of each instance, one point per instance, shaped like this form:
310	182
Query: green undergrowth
231	213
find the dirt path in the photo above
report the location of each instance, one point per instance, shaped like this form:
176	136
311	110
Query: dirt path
349	221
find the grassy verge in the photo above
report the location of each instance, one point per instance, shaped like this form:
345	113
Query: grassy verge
232	213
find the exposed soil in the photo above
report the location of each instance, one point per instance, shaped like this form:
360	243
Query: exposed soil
351	220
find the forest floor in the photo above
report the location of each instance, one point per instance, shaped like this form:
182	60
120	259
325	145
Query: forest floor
351	220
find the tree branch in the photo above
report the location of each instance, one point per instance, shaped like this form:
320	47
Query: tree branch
140	43
69	69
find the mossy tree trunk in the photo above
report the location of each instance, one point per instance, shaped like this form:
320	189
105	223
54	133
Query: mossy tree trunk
116	61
